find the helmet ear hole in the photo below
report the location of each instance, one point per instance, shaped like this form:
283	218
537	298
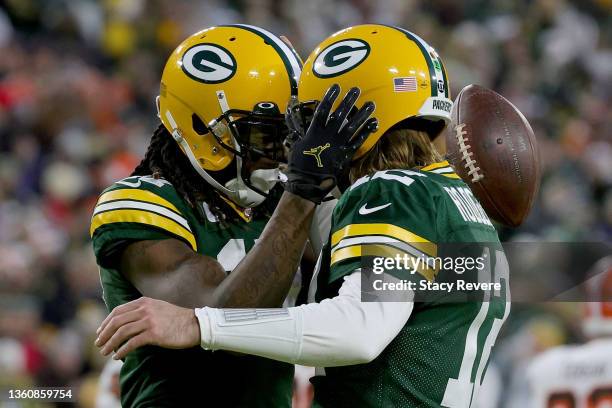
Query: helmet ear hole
198	126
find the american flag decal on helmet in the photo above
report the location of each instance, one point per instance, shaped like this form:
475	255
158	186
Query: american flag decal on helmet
405	84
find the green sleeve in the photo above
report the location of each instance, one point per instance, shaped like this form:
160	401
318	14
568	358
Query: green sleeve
135	209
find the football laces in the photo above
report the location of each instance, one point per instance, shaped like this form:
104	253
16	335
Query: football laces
467	156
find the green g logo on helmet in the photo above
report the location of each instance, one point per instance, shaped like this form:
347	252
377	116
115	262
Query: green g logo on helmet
209	63
340	57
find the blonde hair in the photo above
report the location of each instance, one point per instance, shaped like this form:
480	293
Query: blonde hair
396	149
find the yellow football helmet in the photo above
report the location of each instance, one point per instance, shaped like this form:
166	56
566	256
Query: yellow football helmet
222	97
393	67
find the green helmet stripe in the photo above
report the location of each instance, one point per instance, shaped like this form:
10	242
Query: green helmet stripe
423	46
290	58
446	91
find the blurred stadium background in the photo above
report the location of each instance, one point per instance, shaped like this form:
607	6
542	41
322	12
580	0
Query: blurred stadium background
77	85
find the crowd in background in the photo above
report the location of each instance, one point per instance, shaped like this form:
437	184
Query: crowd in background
77	86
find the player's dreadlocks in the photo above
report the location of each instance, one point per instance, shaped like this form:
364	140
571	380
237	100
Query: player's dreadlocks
164	159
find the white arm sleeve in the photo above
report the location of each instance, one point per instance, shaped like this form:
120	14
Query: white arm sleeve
321	225
338	331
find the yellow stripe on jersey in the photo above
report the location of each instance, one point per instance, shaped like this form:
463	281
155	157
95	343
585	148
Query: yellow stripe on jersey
142	217
383	251
346	253
140	195
410	238
437	165
441	165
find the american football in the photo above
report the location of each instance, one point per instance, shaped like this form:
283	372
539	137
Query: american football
492	147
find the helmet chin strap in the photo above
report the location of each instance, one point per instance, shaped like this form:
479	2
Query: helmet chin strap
262	179
235	189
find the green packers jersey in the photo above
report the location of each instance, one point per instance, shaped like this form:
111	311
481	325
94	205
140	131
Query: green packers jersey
440	356
144	208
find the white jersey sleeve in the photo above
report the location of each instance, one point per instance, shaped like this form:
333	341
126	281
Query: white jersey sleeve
321	225
572	376
337	331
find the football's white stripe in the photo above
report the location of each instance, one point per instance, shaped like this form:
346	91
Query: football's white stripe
295	64
443	170
137	205
379	239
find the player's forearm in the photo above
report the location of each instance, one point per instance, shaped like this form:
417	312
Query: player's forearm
169	270
338	331
327	334
264	276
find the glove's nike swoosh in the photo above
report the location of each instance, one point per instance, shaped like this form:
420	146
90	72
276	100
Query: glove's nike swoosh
364	211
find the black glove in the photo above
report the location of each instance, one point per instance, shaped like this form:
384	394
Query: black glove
317	159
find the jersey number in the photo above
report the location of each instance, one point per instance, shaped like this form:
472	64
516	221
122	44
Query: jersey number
598	398
401	176
136	181
460	392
